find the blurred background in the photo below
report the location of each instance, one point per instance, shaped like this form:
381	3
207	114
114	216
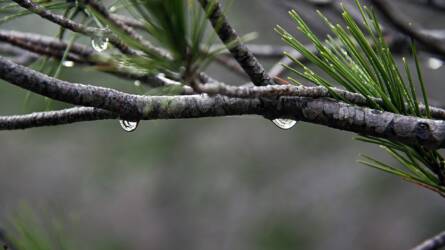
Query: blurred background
222	183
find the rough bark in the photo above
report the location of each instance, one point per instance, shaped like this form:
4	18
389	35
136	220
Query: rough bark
410	130
239	51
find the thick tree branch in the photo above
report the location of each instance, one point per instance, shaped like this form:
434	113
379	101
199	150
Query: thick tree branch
435	243
409	130
237	48
301	91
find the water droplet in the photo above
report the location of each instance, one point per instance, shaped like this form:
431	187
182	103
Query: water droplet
137	83
68	64
434	63
100	43
284	123
113	8
129	126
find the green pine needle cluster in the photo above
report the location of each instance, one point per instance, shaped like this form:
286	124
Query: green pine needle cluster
361	62
178	30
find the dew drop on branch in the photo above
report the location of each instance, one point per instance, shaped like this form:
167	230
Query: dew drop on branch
434	63
284	123
68	64
129	126
99	43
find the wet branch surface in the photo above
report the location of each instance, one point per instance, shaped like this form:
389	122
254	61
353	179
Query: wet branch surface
324	111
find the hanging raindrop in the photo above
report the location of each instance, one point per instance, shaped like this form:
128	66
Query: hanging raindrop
137	83
99	43
284	123
129	126
68	64
434	63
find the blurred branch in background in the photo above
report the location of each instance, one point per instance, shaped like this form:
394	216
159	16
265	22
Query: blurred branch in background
435	243
401	23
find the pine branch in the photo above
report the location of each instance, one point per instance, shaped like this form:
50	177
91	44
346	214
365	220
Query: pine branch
52	118
406	129
79	53
71	25
435	243
300	91
48	46
102	10
237	48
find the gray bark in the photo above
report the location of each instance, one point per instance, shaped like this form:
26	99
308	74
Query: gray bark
410	130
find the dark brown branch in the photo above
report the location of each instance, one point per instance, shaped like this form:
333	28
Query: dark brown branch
435	243
237	48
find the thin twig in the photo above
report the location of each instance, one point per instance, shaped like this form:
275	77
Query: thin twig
102	10
17	55
79	53
71	25
129	21
45	45
231	64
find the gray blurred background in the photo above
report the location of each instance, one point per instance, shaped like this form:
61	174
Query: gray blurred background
215	184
